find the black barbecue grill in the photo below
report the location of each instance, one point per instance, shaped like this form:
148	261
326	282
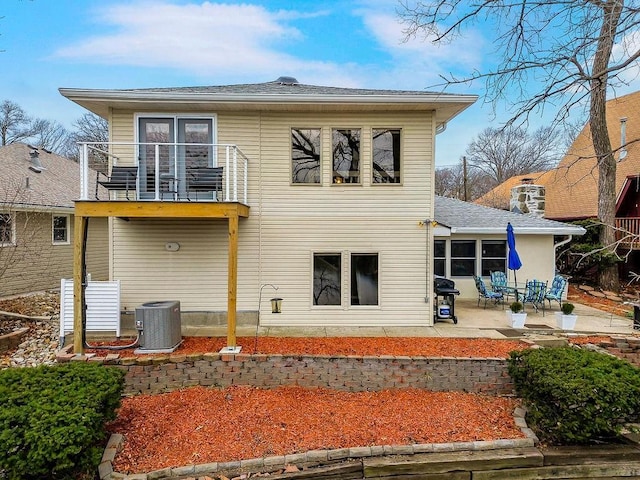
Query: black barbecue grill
445	308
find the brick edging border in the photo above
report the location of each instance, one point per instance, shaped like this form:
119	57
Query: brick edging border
310	458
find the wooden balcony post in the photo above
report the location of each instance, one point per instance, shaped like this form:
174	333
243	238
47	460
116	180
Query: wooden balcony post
232	281
78	269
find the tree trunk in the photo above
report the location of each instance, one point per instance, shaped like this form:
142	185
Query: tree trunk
608	277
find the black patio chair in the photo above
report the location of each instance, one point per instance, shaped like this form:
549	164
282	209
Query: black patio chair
121	178
204	179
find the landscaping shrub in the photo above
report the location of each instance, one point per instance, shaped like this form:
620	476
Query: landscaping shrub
52	419
575	396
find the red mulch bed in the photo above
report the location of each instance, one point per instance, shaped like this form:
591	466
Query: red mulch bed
202	425
361	346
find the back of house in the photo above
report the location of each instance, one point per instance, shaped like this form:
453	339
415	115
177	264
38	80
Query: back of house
316	195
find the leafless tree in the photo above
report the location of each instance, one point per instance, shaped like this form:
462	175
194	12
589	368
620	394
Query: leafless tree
48	134
568	44
24	236
15	124
454	182
501	153
88	128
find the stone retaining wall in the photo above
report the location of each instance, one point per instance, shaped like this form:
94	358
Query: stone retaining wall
155	374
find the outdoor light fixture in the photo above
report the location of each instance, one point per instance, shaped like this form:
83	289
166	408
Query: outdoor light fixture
276	305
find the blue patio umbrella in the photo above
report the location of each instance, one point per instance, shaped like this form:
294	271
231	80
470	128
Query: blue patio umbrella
513	260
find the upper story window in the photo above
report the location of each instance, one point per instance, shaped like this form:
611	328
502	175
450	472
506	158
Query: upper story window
7	230
305	155
386	156
345	147
60	229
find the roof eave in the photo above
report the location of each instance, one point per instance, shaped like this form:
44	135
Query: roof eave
98	100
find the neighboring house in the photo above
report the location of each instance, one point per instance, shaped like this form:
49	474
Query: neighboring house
37	192
570	191
323	194
471	239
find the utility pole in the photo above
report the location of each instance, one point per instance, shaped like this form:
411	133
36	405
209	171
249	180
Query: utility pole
464	178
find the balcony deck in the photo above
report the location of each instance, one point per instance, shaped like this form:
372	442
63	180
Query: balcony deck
160	187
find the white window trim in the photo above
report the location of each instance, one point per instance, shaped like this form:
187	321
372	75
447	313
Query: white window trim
12	241
374	184
345	280
60	242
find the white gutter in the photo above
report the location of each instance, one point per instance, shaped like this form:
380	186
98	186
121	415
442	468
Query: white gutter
521	230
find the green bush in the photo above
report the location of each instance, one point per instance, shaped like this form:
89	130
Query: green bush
567	308
575	396
52	419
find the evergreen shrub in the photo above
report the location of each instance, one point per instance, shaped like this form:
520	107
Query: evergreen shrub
52	419
575	396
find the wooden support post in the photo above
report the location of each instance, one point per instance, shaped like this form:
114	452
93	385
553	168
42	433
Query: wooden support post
232	281
78	259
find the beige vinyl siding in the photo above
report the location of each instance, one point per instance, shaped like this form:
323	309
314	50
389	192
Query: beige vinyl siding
299	220
288	223
36	264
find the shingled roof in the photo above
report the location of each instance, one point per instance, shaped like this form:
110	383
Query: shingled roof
572	187
34	178
284	94
465	217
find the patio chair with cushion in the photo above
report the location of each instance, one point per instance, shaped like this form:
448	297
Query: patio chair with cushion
534	292
556	291
499	284
485	293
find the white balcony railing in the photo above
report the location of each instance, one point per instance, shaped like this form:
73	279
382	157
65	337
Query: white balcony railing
165	171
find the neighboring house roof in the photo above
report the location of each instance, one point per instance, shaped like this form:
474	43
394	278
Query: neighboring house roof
499	196
281	94
465	217
36	179
572	187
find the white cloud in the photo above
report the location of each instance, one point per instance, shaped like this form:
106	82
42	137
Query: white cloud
206	39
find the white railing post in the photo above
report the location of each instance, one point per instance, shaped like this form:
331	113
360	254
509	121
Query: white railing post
84	172
157	175
235	173
246	179
226	193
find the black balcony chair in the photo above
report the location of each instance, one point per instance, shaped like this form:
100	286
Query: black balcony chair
204	179
121	178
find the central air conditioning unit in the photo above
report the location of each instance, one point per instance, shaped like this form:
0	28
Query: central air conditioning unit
159	327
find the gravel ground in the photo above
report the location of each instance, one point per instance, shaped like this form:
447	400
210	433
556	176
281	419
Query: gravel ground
40	344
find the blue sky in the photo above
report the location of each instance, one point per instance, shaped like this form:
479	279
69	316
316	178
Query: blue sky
48	44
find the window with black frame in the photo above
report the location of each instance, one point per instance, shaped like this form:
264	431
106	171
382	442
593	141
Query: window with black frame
494	256
463	258
439	257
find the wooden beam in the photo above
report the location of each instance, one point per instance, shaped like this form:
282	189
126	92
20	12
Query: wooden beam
78	259
232	282
153	209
